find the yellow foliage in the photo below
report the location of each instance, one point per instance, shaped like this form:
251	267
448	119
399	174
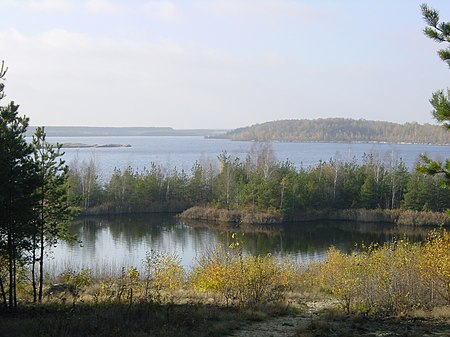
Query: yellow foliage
242	280
435	263
163	272
341	275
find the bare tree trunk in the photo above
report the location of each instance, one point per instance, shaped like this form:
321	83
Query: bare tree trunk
2	289
33	270
13	277
42	241
41	262
10	268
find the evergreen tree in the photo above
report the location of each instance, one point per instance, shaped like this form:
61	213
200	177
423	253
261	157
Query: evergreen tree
440	32
18	181
53	210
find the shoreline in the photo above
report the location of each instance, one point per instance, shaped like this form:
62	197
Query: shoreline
272	217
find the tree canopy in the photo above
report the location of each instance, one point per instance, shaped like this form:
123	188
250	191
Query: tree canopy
440	100
439	32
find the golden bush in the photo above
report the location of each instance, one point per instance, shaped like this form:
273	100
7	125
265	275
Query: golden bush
242	280
435	265
163	272
340	275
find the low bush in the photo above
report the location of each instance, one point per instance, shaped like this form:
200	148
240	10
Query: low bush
242	280
391	279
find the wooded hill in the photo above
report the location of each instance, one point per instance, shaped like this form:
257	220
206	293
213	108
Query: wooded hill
341	130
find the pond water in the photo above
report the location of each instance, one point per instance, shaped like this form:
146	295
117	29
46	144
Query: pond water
108	243
112	242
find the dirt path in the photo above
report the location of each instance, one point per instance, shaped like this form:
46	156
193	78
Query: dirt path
280	327
312	324
285	326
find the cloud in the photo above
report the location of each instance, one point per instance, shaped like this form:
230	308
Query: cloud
164	10
48	5
104	6
61	77
261	8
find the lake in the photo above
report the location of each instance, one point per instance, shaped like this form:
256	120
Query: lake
182	152
108	243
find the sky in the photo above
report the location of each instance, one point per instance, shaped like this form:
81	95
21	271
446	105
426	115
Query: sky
218	64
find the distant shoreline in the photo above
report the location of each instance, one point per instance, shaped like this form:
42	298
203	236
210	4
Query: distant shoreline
81	145
85	131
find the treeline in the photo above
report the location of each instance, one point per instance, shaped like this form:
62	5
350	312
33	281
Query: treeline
341	130
260	183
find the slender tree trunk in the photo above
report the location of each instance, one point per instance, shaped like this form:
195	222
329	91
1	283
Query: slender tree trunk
41	261
15	278
33	270
10	268
2	289
41	239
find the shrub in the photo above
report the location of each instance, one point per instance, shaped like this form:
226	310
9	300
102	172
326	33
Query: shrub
242	280
382	279
341	276
72	282
163	272
435	265
391	282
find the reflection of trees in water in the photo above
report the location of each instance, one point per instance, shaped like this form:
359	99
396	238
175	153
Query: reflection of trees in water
319	236
156	231
167	233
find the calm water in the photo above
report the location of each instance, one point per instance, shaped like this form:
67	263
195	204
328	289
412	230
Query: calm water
182	152
110	243
113	242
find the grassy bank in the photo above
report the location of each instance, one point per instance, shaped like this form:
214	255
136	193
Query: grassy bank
393	216
232	216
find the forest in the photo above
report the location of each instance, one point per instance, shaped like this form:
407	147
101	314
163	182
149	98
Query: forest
260	183
341	130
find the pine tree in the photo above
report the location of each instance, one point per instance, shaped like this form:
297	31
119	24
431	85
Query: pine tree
53	211
18	181
440	32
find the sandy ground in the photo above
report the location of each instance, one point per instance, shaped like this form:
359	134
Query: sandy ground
316	321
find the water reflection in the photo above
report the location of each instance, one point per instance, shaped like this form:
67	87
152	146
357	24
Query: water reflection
109	243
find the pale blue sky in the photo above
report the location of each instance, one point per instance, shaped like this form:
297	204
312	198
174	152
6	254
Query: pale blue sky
218	63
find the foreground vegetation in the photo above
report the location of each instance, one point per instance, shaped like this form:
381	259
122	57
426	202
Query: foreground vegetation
225	289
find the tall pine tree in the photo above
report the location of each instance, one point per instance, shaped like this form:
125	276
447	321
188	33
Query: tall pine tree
440	100
53	211
18	181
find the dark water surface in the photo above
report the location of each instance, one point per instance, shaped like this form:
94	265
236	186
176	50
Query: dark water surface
113	242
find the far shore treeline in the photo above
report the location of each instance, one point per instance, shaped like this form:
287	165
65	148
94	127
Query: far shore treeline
295	130
261	189
340	130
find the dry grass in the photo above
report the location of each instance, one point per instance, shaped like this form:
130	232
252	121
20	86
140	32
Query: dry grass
109	320
335	323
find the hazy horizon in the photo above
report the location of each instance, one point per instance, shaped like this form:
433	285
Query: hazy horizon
219	64
224	129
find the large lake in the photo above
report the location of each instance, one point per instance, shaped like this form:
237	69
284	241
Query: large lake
182	152
110	243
